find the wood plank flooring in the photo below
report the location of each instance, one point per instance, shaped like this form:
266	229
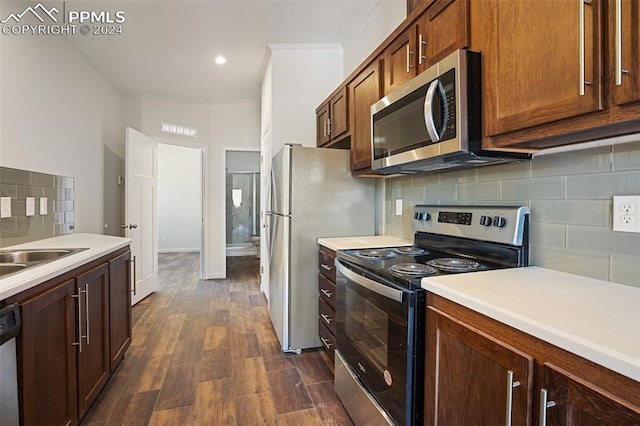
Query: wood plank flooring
205	353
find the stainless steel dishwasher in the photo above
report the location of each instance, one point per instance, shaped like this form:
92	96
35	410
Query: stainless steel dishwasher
9	329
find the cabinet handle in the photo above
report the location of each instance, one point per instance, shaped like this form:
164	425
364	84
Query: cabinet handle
86	310
544	404
133	262
326	293
328	127
327	267
326	342
510	386
619	69
583	82
79	342
324	128
409	53
421	43
326	318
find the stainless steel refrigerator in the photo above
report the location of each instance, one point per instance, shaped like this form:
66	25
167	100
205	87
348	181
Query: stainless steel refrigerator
312	195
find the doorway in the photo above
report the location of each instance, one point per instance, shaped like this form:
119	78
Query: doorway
180	206
242	195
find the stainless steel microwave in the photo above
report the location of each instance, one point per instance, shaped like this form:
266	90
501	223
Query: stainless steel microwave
433	122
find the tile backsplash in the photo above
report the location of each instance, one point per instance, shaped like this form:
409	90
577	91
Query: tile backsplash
570	196
20	184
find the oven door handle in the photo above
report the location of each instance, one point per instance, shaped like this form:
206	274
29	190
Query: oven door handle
381	289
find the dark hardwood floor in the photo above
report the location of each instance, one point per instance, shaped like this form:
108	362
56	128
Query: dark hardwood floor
205	353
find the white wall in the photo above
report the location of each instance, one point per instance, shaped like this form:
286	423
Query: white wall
179	198
302	76
56	116
383	18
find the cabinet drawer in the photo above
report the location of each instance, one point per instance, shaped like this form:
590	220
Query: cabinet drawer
328	340
327	268
328	316
327	291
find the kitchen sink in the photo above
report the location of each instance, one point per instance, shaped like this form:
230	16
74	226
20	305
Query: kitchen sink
13	261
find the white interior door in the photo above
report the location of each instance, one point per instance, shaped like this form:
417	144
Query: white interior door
141	177
265	201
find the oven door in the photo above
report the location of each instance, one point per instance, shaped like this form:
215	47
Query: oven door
376	335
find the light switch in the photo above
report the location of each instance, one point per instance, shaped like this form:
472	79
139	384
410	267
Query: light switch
43	206
31	206
5	207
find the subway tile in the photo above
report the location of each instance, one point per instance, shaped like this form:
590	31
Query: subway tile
626	157
592	213
625	270
14	176
8	191
68	194
44	180
574	262
551	188
602	240
412	194
602	186
52	193
8	224
69	217
479	191
19	207
30	191
507	171
547	235
424	180
595	160
13	238
458	176
434	193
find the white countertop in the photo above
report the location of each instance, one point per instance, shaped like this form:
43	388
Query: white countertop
597	320
363	242
98	246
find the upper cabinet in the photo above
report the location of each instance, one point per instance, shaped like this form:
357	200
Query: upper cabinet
624	57
547	63
364	91
332	119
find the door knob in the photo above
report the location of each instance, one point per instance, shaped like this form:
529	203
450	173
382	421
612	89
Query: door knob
130	226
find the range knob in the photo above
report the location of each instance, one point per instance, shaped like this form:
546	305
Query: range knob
422	216
499	221
485	220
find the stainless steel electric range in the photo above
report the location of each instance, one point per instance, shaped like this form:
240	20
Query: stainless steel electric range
380	310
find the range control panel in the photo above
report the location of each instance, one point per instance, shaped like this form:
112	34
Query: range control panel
500	224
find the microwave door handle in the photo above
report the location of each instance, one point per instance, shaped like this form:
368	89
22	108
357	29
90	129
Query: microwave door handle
429	99
381	289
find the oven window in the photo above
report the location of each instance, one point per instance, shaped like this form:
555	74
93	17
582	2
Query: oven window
367	328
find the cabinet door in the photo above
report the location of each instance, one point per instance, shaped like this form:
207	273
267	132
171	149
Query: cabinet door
47	370
322	125
339	114
540	66
93	354
573	401
624	36
399	61
364	91
119	308
473	378
447	29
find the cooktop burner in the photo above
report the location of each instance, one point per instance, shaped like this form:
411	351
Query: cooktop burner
454	264
411	250
415	269
375	253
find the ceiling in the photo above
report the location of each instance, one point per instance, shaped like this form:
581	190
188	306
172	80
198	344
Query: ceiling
167	48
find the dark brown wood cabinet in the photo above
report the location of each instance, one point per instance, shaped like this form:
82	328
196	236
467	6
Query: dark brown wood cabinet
446	26
64	346
119	308
568	400
399	61
364	91
624	50
47	357
332	119
327	299
94	367
479	379
468	362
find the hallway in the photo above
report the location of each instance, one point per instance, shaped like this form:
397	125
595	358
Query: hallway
204	352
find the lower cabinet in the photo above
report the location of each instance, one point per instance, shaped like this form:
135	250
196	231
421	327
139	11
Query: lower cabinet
480	371
65	344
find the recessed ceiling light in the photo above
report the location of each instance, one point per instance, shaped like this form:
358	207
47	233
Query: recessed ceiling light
220	60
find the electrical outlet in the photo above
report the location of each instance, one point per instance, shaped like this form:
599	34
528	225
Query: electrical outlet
5	207
31	206
399	207
626	213
43	206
